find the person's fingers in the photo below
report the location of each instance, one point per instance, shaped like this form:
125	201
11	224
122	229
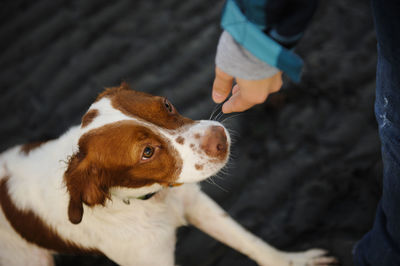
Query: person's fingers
235	89
236	103
277	83
222	85
247	93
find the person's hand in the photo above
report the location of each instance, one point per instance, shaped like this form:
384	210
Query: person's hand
246	93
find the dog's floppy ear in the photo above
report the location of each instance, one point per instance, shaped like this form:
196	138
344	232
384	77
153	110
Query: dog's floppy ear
84	184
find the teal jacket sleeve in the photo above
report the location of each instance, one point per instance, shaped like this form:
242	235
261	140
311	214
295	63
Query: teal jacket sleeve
269	29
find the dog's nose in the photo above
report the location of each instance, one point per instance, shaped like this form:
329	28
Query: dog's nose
214	142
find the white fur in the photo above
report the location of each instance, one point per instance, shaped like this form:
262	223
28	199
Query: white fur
140	233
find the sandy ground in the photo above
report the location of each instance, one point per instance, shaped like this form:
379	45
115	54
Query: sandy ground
306	167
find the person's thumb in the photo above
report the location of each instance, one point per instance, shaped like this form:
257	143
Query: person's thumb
236	104
222	85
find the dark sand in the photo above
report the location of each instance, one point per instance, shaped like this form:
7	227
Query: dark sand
306	167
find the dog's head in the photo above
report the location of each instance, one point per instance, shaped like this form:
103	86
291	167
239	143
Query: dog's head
133	142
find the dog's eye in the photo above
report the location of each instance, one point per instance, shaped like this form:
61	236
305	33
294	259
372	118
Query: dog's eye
168	105
147	153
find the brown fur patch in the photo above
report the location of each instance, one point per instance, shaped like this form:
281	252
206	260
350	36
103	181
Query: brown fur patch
141	105
111	156
30	227
89	117
199	166
27	148
180	140
197	136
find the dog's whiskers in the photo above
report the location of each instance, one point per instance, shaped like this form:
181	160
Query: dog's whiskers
214	110
218	117
224	171
230	117
211	181
232	132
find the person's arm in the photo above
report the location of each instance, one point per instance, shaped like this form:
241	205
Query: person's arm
255	48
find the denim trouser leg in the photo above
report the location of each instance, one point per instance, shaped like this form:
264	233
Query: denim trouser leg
381	245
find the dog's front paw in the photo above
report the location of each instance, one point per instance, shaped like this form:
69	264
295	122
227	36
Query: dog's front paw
312	257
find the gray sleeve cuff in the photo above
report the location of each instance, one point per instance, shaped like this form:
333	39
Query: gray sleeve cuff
235	60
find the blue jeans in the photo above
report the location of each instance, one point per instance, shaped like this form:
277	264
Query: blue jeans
381	245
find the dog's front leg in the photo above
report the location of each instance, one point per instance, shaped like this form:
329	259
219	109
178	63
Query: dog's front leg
205	214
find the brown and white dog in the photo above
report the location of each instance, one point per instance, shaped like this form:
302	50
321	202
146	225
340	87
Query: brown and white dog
119	185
